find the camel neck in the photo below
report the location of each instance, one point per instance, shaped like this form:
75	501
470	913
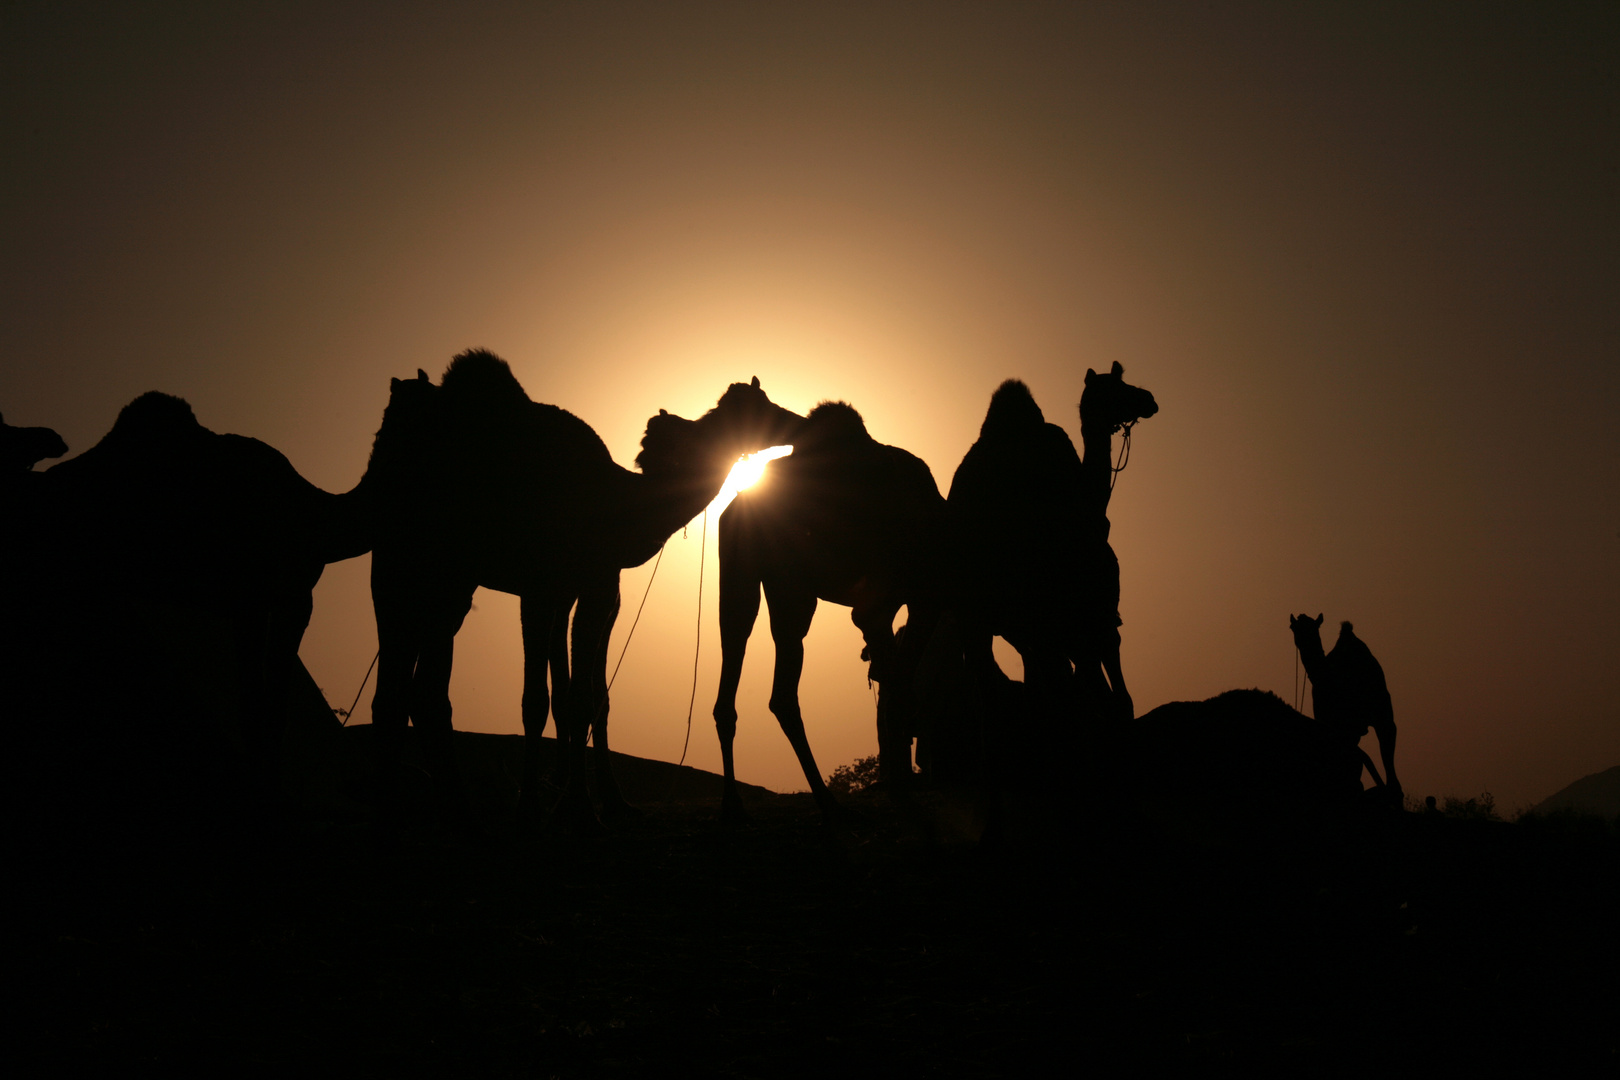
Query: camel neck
1311	655
1097	461
681	476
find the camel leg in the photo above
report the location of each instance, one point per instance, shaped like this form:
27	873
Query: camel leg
1384	728
594	617
1121	708
397	647
430	703
540	620
561	683
791	610
739	609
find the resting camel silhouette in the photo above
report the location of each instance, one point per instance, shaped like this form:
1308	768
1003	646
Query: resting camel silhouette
845	519
167	528
476	484
1348	692
1035	564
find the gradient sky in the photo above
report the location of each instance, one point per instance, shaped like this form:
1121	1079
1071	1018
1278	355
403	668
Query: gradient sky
1367	257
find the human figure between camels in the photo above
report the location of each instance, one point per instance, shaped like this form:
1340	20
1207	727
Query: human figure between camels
1348	693
475	484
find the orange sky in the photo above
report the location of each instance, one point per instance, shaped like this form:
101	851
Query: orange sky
1366	260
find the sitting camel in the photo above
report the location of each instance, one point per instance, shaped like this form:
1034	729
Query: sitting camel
1348	691
845	519
475	484
1035	564
162	539
21	448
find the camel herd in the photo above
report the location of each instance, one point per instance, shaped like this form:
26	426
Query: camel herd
470	483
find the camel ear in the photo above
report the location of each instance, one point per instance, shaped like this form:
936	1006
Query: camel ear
421	376
1089	376
755	383
393	384
1318	622
663	412
1119	369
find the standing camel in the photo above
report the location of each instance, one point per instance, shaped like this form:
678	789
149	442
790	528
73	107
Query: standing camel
478	485
1348	692
1036	567
845	519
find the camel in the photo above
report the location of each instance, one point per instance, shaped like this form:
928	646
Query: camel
21	448
1348	692
166	539
1036	567
844	519
475	484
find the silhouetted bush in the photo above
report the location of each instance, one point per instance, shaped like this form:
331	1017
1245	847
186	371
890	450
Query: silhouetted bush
1483	807
848	779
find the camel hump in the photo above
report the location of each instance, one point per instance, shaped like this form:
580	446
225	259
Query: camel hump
839	420
1012	408
481	375
154	415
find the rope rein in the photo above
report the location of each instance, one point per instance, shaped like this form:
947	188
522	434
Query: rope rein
362	689
1124	454
637	620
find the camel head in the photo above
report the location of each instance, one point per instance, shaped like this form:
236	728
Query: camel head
1307	633
409	421
1110	403
22	447
744	421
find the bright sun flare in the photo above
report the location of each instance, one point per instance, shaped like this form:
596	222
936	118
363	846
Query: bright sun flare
746	473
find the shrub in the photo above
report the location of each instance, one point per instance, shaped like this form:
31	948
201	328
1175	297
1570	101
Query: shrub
1483	807
848	779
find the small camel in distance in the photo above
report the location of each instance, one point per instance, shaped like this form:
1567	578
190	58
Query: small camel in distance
1348	691
477	485
845	519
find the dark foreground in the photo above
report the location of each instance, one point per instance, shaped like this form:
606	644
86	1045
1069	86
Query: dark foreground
1388	942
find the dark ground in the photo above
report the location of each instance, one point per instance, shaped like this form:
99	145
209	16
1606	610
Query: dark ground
1375	941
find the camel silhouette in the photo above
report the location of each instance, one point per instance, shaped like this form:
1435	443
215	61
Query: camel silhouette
1348	692
475	484
1034	563
165	535
845	519
21	448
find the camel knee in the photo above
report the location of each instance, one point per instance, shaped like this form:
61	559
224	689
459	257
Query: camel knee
725	722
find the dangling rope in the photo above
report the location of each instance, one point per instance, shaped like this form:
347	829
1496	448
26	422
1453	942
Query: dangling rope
637	620
362	689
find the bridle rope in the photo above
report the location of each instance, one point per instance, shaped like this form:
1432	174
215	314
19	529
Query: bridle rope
1124	452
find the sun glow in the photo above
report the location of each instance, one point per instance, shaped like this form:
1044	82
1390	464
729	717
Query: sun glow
746	473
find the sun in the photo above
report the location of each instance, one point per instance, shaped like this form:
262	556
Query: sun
746	473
